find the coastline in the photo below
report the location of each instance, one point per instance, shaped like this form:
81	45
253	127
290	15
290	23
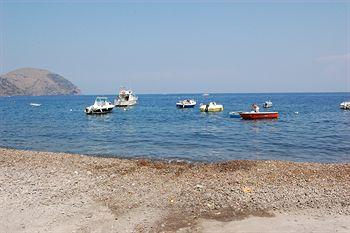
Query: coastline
59	192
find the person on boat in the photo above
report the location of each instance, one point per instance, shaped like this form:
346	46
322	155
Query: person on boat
255	108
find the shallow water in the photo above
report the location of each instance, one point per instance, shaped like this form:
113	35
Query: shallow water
155	128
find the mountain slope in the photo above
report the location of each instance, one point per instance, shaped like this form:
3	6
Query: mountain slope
31	81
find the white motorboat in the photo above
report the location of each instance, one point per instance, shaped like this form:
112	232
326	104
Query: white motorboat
186	103
211	107
35	104
125	98
345	105
267	104
102	105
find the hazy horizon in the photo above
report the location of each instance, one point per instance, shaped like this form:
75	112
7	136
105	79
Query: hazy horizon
214	93
156	48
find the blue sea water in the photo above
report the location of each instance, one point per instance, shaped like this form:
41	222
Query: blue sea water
155	128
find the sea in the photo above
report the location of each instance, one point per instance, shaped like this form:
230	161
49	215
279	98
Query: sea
311	128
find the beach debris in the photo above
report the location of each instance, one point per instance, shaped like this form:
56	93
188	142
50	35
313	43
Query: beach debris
247	190
199	187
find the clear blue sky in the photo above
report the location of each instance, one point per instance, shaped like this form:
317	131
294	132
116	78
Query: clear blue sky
181	47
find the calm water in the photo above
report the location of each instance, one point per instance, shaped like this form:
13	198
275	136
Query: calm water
155	128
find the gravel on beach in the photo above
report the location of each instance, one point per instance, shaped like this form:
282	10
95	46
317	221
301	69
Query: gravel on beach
160	196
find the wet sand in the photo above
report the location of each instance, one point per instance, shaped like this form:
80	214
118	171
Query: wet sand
57	192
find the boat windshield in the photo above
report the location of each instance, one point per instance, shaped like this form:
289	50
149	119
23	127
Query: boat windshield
101	100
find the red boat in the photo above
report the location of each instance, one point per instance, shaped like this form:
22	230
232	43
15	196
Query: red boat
258	115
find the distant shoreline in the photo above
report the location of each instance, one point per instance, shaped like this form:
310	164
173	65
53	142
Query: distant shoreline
170	160
235	93
200	93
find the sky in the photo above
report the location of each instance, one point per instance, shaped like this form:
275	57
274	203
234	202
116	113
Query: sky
182	47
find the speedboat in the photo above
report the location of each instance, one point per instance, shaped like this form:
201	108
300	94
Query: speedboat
211	107
186	103
345	105
125	98
35	104
258	115
101	106
267	104
235	114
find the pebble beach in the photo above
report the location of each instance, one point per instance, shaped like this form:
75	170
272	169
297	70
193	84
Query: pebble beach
58	192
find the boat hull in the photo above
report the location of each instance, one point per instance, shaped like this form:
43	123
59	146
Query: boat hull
121	103
258	115
267	105
185	105
235	114
212	109
98	111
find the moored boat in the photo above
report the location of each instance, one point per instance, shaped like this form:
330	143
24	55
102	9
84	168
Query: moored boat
211	107
267	104
235	114
345	105
125	98
101	106
35	104
258	115
186	103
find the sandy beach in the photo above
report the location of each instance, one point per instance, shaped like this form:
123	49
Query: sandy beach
58	192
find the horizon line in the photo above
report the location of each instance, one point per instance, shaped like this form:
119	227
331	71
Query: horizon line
201	93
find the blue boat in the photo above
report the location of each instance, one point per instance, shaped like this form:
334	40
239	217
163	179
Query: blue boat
235	114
